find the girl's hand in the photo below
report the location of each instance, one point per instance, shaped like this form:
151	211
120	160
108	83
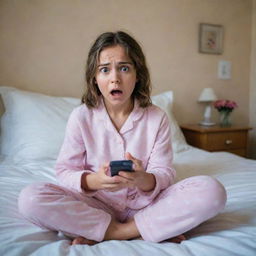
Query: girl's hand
101	181
141	179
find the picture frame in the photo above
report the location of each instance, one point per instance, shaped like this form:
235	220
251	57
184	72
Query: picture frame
210	38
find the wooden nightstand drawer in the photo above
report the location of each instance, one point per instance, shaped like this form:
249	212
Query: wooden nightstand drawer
226	140
214	138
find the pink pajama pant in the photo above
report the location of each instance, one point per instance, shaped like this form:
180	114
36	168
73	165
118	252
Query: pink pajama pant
174	211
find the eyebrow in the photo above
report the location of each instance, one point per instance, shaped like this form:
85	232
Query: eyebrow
119	63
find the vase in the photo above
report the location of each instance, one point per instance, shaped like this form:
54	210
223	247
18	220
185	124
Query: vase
225	118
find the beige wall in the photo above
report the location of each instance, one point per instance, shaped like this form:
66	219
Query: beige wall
44	44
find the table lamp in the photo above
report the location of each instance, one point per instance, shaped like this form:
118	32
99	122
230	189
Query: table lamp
207	96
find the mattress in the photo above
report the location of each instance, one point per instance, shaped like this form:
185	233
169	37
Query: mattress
230	233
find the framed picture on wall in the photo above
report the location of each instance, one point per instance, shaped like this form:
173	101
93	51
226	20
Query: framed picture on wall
210	38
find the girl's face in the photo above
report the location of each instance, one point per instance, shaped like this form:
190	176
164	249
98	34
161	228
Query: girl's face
115	76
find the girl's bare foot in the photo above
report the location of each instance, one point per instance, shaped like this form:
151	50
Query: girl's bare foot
82	240
176	239
121	231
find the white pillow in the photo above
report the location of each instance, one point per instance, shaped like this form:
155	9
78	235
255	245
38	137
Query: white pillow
164	101
33	124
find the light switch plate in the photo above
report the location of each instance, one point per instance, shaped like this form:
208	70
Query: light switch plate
224	69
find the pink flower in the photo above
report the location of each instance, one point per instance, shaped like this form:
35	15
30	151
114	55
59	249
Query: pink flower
225	105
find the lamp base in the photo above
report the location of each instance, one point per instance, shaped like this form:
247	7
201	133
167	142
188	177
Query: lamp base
205	123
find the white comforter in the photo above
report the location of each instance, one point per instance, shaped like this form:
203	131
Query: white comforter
233	232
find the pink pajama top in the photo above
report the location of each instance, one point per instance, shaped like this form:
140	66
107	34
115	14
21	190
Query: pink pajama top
92	140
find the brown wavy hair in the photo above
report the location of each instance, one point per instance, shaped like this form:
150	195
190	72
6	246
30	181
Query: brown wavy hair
142	88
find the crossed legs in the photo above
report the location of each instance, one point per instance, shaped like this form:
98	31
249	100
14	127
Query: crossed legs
174	211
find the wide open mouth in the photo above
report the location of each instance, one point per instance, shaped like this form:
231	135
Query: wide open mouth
116	92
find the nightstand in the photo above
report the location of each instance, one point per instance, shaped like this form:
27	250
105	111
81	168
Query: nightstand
215	138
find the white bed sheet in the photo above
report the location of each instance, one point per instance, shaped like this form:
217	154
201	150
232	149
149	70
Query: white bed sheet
231	233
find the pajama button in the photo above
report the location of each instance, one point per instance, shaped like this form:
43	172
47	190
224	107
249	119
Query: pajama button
119	141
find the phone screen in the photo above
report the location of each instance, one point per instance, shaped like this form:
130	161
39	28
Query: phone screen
120	165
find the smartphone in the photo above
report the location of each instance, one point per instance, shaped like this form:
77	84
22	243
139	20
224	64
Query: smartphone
121	165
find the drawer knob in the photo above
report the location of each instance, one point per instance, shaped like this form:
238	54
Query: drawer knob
228	142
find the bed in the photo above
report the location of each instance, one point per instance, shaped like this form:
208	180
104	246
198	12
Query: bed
32	129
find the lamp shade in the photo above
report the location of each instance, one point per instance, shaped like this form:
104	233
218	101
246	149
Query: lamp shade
207	95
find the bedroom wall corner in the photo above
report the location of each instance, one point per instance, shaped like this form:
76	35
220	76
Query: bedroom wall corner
252	137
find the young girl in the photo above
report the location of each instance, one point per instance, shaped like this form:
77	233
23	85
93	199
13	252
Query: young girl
115	122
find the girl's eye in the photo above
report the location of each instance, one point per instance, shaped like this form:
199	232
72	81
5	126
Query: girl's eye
104	70
124	68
